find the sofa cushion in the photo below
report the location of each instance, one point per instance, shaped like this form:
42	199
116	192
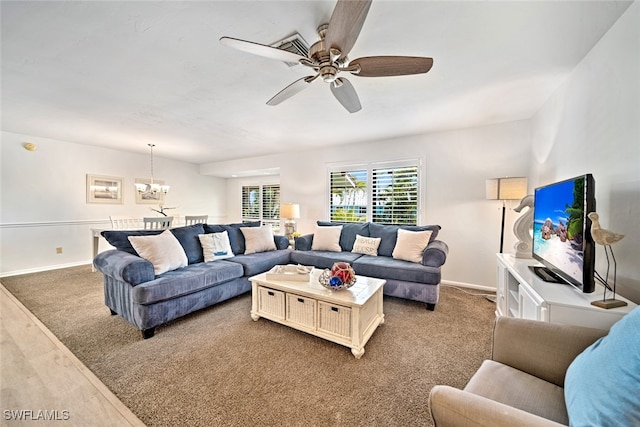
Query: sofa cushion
258	239
213	228
323	259
236	238
215	246
349	232
389	268
188	238
257	263
602	383
389	235
189	279
504	384
119	239
410	245
366	245
327	239
163	251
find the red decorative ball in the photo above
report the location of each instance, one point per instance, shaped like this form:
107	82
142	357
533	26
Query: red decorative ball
344	271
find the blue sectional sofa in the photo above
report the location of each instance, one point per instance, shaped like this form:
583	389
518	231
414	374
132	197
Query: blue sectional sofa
418	281
134	290
146	300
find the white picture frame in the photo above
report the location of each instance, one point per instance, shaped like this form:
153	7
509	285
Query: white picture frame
104	189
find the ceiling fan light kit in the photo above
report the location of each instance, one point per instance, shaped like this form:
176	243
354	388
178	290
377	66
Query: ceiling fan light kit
328	57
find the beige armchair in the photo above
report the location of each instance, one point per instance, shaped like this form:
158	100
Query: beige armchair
522	384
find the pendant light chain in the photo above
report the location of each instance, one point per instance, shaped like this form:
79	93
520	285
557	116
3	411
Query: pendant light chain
151	145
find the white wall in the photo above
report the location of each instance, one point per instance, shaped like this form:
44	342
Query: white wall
455	167
43	196
592	125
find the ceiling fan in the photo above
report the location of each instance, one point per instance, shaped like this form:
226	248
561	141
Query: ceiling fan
328	56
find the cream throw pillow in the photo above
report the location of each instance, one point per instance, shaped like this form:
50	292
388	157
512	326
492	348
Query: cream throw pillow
411	244
162	250
327	239
366	245
258	239
215	246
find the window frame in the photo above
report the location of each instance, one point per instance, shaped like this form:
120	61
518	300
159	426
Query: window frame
370	167
274	220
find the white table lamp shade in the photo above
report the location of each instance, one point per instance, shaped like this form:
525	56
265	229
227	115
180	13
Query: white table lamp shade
289	211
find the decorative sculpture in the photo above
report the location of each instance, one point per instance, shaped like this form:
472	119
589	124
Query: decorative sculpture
522	228
606	238
341	276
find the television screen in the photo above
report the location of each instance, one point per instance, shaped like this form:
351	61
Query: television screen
562	232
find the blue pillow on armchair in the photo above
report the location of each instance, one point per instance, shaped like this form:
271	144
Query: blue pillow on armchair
602	384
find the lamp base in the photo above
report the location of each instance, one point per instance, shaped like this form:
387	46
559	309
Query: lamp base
289	229
609	303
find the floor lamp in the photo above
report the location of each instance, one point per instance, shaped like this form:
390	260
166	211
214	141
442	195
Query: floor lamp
505	189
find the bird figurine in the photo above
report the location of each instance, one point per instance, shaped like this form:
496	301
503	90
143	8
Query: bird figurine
606	238
600	235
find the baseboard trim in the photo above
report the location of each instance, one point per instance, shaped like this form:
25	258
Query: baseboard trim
43	268
468	285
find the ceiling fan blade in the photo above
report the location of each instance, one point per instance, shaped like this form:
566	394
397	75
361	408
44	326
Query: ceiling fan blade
291	90
261	49
383	66
344	92
345	24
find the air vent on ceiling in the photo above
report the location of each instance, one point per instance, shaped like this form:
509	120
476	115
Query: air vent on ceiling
294	44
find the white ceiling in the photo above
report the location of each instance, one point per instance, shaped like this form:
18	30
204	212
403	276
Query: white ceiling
125	74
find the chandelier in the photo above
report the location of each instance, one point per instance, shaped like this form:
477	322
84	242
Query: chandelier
151	188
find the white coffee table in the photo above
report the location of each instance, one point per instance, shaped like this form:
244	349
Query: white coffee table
347	317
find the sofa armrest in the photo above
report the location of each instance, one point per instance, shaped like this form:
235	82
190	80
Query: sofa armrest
457	408
281	241
544	350
303	243
435	254
124	267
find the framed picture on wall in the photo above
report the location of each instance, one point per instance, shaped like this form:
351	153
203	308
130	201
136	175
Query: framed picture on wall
104	189
148	197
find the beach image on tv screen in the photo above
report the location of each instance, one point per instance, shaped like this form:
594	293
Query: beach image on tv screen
558	226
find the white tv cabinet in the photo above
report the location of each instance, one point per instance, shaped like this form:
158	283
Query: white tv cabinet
524	295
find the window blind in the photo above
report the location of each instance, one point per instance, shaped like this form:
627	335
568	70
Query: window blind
395	195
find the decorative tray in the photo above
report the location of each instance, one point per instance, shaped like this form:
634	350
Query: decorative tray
296	273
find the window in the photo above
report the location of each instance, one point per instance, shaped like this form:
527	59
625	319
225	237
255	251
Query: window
262	203
349	195
395	195
384	193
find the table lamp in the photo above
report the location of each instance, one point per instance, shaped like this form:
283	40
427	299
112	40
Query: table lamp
290	212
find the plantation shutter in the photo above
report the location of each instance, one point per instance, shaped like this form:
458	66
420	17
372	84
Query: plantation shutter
250	203
271	205
395	195
348	195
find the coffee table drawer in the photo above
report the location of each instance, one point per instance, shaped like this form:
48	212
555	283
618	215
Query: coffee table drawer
334	319
301	310
271	302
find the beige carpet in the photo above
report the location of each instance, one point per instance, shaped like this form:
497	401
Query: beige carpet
217	367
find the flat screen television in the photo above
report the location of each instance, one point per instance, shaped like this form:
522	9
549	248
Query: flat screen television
562	239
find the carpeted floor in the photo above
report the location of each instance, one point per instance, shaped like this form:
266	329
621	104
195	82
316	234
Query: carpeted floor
217	367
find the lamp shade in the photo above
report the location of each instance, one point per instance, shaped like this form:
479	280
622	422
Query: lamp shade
289	210
506	188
